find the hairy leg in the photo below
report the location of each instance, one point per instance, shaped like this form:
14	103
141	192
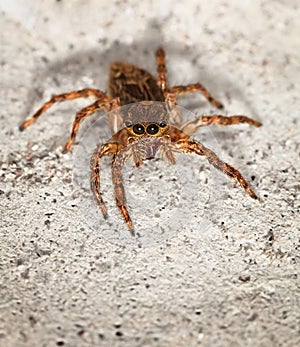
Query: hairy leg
84	93
117	177
100	151
106	104
192	88
161	69
193	125
192	146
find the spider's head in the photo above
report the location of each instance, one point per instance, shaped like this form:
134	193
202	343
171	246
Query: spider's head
146	119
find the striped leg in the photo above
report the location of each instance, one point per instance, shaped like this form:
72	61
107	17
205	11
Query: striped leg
193	125
192	146
117	177
102	150
192	88
101	104
161	69
84	93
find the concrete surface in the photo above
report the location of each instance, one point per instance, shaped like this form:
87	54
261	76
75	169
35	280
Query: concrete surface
212	267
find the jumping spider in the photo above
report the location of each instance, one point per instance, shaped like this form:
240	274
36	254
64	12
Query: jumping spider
150	125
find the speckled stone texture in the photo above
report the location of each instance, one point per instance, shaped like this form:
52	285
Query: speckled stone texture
219	269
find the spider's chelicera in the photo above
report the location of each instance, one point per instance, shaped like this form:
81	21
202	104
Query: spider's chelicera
144	121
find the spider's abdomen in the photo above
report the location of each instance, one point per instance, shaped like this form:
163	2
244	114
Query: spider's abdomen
132	84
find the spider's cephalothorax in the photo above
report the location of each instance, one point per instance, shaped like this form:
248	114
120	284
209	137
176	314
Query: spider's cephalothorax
144	119
147	124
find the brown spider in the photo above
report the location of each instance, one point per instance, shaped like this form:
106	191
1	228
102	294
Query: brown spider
151	124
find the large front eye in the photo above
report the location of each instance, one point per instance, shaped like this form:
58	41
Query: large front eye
138	129
152	129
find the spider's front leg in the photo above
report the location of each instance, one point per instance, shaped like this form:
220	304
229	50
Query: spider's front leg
117	177
109	148
192	146
119	157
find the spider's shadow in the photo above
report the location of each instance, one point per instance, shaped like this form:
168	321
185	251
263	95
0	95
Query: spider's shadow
89	69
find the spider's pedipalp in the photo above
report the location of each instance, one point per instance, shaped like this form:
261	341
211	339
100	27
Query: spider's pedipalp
174	114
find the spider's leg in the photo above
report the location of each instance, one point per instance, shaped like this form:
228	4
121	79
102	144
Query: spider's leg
84	93
106	149
101	104
193	125
175	117
192	146
161	69
117	177
196	87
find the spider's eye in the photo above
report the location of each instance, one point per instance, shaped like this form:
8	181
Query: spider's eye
162	124
128	124
138	129
152	129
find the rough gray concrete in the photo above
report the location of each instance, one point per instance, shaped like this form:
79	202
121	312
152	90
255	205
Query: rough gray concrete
212	267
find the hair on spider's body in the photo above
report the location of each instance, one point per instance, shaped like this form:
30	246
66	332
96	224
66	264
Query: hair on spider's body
144	121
